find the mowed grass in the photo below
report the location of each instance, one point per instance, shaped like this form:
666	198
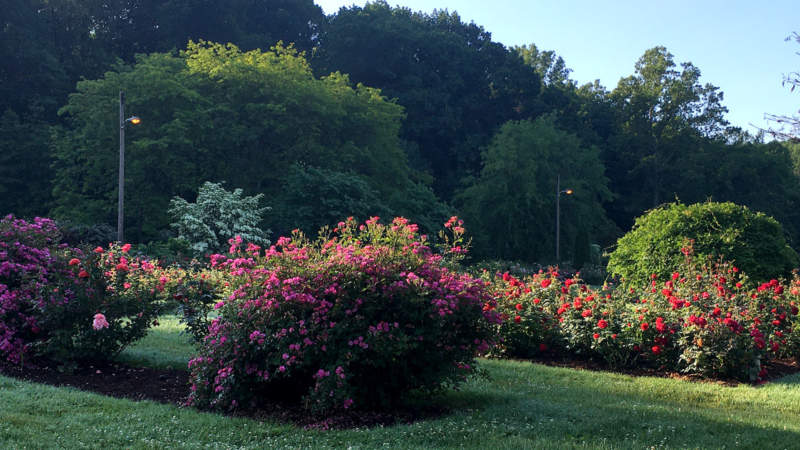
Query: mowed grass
522	406
165	347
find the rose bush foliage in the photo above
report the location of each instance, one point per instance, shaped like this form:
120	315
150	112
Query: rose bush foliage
353	319
702	319
63	304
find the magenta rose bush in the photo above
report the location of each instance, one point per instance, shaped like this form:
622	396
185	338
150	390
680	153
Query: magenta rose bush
353	319
702	320
62	304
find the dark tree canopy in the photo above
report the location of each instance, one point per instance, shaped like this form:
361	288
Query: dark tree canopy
456	84
388	106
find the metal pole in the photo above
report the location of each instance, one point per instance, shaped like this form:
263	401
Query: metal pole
558	216
121	166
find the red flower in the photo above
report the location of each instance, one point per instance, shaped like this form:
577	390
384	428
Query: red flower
518	306
122	267
125	248
596	336
656	350
614	336
74	262
545	283
644	326
517	319
602	324
98	250
83	274
586	312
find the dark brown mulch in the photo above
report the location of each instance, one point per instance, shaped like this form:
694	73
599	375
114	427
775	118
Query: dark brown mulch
172	387
775	369
114	380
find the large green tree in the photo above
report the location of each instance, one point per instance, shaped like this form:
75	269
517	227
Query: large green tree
216	113
661	112
510	208
456	84
147	26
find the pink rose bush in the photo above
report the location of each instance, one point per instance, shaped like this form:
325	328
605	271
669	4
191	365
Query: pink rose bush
62	304
353	319
703	319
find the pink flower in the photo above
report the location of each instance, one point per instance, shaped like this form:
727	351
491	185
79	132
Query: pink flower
99	322
125	248
98	250
83	274
74	262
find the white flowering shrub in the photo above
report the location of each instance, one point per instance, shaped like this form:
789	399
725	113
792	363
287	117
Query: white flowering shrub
217	216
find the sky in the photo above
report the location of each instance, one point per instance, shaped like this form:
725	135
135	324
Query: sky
738	45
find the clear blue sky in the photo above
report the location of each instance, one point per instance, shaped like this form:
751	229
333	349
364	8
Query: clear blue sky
737	44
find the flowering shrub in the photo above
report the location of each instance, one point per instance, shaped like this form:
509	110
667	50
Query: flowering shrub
216	215
117	298
62	304
28	261
702	319
353	319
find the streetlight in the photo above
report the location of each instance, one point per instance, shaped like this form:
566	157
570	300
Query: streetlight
135	120
558	213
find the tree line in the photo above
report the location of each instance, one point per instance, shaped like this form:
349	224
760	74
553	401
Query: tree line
373	110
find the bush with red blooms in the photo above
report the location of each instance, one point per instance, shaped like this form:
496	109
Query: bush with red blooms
65	305
702	320
353	319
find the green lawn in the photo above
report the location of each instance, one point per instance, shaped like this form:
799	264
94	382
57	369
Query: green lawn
523	406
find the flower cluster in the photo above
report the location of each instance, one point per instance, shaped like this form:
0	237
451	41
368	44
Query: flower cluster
63	304
702	319
29	264
351	320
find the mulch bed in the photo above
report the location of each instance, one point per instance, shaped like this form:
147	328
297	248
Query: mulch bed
171	386
775	369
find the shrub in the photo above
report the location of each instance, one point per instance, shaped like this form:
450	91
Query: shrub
701	319
217	216
353	319
59	303
117	298
752	241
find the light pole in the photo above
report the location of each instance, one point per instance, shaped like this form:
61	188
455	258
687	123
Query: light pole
558	214
135	120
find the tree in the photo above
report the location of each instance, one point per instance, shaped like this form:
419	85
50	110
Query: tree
147	26
217	216
456	84
24	171
510	208
661	111
214	112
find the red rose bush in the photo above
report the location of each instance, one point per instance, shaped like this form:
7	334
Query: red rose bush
702	320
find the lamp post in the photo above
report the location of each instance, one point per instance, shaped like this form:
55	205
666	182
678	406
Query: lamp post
135	120
558	214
